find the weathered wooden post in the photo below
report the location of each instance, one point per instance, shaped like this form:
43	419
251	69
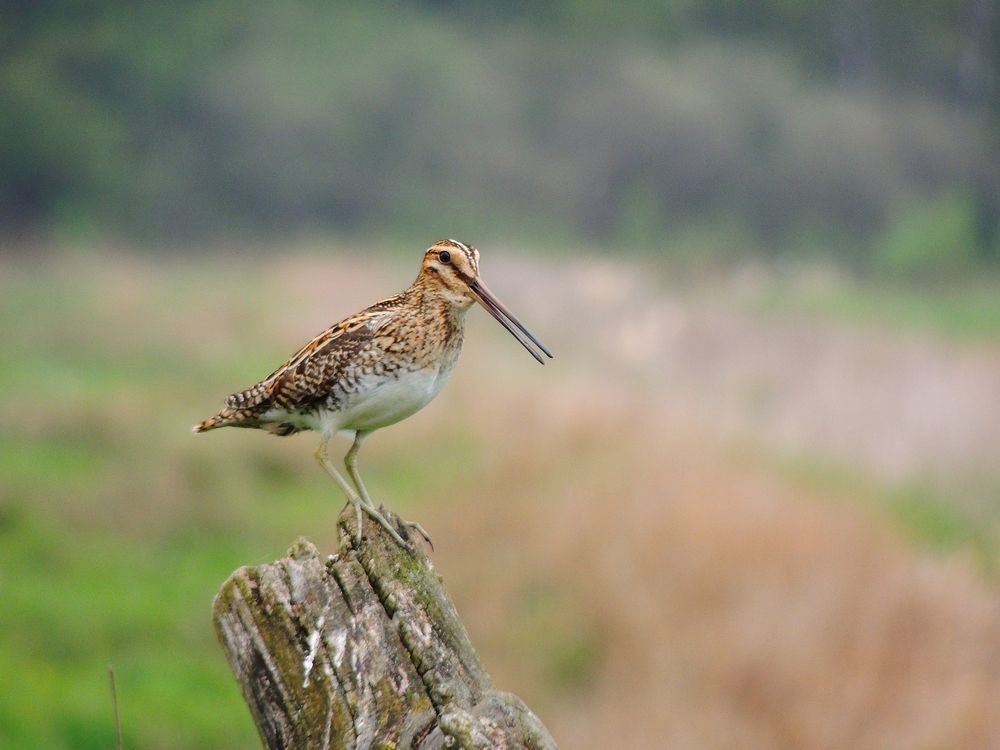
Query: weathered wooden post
362	650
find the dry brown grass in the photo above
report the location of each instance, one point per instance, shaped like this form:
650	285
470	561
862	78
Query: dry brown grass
642	584
700	601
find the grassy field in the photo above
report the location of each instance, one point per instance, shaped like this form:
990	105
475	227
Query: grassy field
733	514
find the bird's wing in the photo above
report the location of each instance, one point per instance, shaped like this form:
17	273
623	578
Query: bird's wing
310	370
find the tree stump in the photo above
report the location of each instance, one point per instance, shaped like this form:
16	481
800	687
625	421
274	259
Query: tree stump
362	650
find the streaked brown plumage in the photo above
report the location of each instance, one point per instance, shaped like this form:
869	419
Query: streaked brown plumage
375	368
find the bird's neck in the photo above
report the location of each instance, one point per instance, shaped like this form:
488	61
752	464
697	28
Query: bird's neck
429	293
441	322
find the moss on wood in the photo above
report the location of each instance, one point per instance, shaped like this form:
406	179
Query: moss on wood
362	650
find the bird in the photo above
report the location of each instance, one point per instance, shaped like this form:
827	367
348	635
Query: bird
375	368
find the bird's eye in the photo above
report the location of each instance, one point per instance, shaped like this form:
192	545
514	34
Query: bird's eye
444	256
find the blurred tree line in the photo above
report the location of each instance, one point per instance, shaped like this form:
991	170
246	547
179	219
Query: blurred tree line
839	125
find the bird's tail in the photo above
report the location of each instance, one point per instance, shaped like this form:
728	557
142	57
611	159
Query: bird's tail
219	420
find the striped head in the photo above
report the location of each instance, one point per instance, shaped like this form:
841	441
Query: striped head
451	269
448	267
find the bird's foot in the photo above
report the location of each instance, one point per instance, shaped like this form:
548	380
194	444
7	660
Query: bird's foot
384	523
405	527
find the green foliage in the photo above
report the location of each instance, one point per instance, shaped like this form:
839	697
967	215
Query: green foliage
928	241
571	120
639	221
85	92
961	311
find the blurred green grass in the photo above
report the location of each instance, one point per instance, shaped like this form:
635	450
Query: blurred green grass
77	602
117	525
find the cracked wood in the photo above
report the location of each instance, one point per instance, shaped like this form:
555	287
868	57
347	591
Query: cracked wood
360	650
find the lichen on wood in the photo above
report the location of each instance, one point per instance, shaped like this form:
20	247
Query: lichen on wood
362	650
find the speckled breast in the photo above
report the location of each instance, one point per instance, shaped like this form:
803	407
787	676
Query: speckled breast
378	400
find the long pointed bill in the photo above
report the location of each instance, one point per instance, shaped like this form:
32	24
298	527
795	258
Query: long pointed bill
508	321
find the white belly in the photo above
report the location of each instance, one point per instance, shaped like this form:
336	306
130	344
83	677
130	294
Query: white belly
380	402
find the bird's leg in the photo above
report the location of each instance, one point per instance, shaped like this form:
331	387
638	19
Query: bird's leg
352	496
359	502
351	462
358	494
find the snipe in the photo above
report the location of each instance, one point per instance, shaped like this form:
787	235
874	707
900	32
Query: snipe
375	368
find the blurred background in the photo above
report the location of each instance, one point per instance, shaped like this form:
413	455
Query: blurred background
753	502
